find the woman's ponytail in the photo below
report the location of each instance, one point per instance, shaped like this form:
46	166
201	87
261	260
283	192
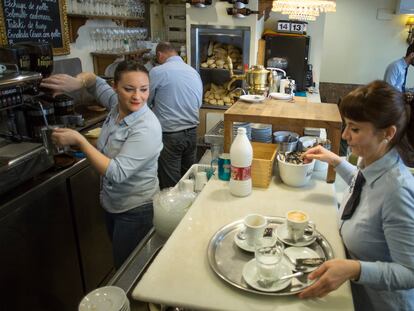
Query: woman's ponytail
406	145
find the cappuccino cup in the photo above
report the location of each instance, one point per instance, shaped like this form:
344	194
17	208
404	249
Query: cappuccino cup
254	225
297	222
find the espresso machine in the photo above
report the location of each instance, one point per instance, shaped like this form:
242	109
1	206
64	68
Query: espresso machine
25	109
22	156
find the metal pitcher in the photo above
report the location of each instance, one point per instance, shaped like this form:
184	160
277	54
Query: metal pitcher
276	75
257	78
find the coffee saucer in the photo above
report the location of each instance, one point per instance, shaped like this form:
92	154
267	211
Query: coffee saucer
282	234
250	275
276	95
242	243
252	98
295	252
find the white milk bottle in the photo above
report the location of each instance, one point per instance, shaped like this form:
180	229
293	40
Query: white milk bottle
241	156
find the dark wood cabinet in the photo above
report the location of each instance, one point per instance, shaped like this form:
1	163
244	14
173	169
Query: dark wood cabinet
94	246
39	258
54	247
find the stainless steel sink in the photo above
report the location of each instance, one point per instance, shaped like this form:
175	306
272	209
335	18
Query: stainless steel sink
215	136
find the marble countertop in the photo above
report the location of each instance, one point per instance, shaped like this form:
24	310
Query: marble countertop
181	276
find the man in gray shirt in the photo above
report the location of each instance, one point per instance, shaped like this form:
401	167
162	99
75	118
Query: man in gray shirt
176	93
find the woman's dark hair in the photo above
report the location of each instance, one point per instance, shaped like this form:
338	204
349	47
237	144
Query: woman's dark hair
128	66
382	105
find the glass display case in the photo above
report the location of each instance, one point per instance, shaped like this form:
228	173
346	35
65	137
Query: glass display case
210	46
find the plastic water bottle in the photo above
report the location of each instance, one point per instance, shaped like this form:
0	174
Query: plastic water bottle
241	156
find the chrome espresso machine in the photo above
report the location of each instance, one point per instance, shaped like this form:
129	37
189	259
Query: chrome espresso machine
25	109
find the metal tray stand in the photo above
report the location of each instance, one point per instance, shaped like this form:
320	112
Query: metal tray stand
227	259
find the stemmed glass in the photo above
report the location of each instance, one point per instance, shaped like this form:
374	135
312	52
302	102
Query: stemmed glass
133	8
112	39
99	39
93	33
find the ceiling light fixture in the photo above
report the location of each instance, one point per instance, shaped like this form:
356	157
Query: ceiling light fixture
307	10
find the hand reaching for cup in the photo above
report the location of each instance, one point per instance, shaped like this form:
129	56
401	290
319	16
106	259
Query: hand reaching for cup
61	83
331	274
321	154
66	137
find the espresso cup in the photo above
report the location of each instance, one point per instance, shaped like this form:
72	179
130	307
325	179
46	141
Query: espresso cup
254	226
297	222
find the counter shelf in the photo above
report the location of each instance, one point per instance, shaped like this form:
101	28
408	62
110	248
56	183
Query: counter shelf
227	259
210	106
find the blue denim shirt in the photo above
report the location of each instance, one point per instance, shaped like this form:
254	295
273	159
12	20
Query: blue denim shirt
380	234
133	145
176	93
395	73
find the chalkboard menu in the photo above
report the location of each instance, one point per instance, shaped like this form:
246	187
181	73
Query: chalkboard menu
35	20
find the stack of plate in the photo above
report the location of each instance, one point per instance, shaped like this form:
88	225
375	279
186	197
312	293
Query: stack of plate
262	132
107	298
312	131
246	125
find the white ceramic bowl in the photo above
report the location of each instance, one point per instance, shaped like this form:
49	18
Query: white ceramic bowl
295	175
110	298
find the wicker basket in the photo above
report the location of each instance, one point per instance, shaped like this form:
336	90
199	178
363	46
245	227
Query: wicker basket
262	165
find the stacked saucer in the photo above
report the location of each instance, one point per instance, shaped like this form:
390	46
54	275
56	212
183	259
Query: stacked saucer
107	298
262	132
246	125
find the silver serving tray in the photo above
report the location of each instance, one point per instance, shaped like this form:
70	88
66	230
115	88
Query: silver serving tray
227	259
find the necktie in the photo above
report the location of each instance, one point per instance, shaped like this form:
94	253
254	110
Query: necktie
405	79
353	201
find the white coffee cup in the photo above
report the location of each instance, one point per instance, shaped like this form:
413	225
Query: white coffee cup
200	181
255	225
297	221
3	68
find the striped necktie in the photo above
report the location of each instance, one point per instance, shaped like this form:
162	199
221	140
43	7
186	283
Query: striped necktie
353	201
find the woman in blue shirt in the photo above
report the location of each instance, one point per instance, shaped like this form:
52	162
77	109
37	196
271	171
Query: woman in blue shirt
127	151
376	218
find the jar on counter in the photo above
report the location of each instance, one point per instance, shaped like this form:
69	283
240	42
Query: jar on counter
64	105
36	120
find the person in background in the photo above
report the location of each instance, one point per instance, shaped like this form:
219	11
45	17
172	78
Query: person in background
127	151
396	72
376	218
176	93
